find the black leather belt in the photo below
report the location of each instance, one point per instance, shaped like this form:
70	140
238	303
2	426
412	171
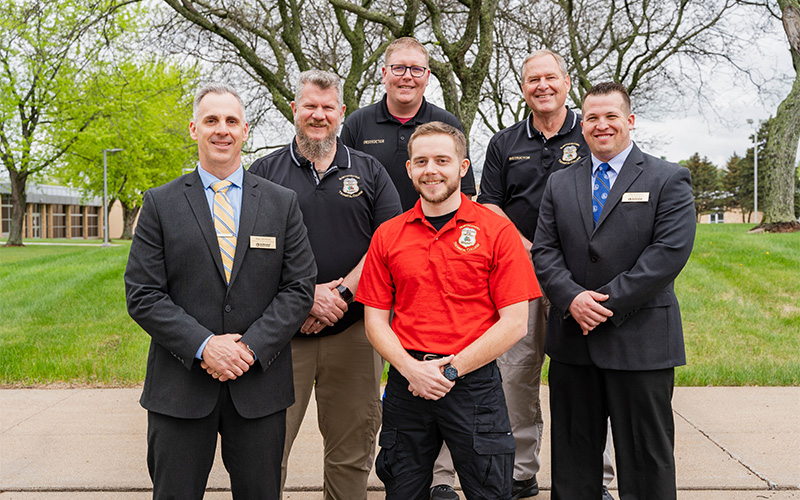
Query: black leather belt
425	356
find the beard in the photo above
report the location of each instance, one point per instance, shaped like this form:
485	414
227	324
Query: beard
314	149
451	186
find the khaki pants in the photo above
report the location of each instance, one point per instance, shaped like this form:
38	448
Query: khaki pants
345	372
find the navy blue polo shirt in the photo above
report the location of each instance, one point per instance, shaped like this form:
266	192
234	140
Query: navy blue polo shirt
341	210
373	130
519	161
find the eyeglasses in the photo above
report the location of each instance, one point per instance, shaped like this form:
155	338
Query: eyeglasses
400	70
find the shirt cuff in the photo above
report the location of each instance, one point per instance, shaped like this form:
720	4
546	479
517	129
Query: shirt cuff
199	354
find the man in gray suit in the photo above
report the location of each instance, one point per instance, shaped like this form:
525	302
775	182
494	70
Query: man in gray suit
220	275
614	232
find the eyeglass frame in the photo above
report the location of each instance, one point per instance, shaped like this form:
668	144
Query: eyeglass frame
407	68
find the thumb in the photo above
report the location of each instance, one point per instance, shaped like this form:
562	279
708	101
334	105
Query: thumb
443	361
599	297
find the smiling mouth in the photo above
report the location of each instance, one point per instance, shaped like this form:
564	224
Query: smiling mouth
432	183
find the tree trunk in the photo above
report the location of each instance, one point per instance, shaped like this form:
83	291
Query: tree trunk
18	207
128	218
782	139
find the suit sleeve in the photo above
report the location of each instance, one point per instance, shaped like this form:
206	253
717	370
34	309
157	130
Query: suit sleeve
147	291
271	332
660	262
549	262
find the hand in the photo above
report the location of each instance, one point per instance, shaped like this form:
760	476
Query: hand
587	311
312	325
225	358
329	307
425	378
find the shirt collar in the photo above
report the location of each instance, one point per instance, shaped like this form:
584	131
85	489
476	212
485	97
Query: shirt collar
236	178
614	163
341	160
466	211
385	116
570	122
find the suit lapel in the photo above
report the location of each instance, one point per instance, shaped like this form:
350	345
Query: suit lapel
630	171
196	196
583	186
247	220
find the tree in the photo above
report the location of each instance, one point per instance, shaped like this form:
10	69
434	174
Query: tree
151	106
48	52
705	184
273	48
783	137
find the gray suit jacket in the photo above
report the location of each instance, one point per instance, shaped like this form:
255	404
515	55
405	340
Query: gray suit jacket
176	291
634	256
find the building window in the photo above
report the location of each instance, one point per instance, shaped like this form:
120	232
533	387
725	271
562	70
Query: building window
91	225
59	221
6	214
716	218
76	221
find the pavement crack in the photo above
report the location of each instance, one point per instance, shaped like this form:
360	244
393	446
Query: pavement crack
68	395
770	485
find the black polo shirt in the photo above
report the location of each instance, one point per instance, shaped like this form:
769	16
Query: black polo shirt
341	210
374	130
519	161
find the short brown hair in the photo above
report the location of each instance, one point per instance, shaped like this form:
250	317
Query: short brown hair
607	88
432	128
405	42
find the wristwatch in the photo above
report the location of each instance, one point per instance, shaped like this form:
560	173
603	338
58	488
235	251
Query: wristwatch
450	372
345	292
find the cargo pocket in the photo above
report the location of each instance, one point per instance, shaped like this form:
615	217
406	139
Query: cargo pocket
493	444
387	456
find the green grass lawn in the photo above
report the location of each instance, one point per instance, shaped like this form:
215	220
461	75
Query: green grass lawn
64	318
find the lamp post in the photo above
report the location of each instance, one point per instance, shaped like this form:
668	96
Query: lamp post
105	193
755	170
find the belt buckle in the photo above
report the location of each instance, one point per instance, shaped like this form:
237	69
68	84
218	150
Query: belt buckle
430	357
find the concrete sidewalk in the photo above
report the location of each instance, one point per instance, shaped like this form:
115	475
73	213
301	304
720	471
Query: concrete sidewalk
70	444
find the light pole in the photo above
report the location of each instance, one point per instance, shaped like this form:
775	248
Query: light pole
105	193
755	169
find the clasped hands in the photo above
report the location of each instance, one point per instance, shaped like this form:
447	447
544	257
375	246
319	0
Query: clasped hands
226	358
328	308
426	378
587	310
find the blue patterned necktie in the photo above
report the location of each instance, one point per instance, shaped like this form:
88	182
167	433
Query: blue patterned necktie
600	189
224	225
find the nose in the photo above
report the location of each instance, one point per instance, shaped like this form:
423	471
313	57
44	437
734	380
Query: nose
318	114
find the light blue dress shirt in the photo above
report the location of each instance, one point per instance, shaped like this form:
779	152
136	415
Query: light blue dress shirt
235	196
615	165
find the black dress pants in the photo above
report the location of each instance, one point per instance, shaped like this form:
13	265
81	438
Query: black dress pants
181	452
639	404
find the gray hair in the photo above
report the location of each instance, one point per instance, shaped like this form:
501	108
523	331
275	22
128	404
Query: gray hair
215	88
562	64
323	80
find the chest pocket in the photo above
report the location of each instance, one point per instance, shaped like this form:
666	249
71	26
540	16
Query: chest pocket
467	275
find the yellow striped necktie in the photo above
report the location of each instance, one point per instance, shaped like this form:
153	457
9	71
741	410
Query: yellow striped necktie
224	225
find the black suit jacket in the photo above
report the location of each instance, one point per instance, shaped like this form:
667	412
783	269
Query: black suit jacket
634	256
176	291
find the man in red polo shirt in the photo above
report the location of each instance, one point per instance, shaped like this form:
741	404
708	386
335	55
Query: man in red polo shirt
459	281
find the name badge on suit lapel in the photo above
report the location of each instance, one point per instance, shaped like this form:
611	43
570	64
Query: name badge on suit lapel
635	197
263	242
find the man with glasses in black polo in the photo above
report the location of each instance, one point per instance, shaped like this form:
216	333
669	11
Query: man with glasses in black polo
383	129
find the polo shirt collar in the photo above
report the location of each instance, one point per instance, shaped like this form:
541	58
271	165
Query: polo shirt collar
570	122
385	116
340	161
465	213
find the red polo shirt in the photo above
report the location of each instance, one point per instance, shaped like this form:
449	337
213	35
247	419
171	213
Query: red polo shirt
446	286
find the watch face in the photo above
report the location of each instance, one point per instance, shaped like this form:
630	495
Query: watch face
450	372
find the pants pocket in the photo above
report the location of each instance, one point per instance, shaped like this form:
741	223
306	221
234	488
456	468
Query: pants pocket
494	446
387	455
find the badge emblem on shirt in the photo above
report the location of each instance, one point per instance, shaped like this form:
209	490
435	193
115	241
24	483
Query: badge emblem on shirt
569	154
350	187
468	237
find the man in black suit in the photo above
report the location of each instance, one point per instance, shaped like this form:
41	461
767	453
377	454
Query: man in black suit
220	275
614	232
